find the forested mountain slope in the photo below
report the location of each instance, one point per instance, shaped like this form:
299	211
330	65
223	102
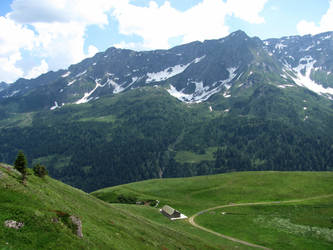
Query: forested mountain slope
232	104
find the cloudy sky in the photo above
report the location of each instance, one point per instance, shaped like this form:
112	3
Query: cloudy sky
37	36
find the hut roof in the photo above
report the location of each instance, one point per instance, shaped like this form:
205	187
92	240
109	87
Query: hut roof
169	210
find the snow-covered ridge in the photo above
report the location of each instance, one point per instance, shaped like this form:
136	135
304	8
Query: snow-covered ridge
170	71
306	64
117	88
202	93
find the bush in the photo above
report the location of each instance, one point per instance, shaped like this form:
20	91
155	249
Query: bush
40	170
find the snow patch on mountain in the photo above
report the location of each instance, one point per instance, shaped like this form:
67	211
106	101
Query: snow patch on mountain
199	59
280	46
86	97
66	74
285	86
326	37
12	94
202	93
71	82
55	106
306	64
134	79
116	87
170	71
81	74
308	48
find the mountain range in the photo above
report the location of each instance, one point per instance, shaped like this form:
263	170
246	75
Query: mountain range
231	104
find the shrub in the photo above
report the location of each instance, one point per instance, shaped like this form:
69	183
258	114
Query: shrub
40	170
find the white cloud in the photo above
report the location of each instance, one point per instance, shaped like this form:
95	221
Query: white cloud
157	24
48	29
47	11
92	50
129	45
61	43
206	20
38	70
326	23
8	71
13	37
247	10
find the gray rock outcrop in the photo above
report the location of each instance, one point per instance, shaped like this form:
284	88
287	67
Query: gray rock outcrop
13	224
77	222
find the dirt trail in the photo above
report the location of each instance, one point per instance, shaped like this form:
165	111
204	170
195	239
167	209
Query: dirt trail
191	219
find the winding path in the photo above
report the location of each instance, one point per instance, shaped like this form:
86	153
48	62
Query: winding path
191	219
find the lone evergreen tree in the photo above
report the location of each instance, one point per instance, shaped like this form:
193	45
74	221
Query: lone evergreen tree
21	165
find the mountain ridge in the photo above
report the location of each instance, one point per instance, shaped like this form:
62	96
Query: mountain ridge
191	72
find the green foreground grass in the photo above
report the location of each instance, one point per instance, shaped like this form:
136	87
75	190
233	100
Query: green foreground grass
105	226
272	226
305	225
123	226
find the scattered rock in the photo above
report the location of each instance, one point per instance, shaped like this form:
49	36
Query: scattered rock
13	224
77	222
55	220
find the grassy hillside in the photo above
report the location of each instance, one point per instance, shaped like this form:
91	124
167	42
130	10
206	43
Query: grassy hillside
105	226
193	194
279	226
306	225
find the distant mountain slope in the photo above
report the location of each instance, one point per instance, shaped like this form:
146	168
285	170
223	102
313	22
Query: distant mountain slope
146	133
231	104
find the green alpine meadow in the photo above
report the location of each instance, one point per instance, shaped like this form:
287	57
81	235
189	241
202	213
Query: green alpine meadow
43	205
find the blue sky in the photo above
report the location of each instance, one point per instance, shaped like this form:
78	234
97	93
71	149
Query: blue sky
41	35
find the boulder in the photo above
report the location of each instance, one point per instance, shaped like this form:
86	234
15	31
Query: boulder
13	224
77	222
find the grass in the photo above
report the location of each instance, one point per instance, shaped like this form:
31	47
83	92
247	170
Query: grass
263	225
305	225
194	194
191	157
105	226
107	119
124	226
17	120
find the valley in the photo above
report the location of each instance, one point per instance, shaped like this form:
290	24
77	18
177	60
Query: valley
163	124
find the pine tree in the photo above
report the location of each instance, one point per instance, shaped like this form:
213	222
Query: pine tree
21	165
